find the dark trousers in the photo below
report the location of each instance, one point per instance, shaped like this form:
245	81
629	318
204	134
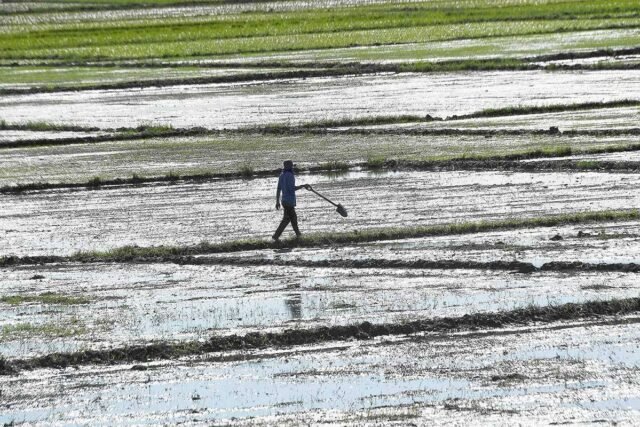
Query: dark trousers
289	216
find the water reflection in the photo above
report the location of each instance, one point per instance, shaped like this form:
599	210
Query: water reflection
294	305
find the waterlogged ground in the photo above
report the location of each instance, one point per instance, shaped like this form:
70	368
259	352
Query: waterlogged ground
231	152
134	304
43	77
62	222
565	373
463	49
581	371
295	101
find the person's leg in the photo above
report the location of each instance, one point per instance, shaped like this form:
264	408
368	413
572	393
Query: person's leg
294	220
283	224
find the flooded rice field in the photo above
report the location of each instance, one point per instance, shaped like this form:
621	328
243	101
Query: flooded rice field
581	120
295	101
131	304
468	285
460	49
229	153
185	11
602	243
79	77
565	373
62	222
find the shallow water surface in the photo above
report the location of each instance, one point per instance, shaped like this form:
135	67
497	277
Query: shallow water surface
296	101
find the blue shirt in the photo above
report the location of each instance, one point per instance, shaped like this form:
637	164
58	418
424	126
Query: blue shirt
287	184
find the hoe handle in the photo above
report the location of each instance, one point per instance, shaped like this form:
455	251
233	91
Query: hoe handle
314	191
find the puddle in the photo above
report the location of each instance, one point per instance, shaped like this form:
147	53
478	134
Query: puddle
295	101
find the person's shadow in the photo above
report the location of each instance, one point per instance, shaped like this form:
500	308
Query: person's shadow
294	304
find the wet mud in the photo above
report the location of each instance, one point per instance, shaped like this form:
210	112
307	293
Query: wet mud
516	266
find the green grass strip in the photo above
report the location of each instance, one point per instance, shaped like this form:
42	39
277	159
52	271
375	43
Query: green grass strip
553	108
354	237
44	298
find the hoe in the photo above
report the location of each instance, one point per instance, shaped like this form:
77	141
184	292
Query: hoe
340	209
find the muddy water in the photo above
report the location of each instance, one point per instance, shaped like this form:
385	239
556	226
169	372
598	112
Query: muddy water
518	376
617	242
62	222
132	304
295	101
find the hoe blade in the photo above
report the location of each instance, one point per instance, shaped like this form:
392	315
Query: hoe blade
341	210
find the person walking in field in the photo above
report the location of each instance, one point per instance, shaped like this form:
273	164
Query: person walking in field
287	186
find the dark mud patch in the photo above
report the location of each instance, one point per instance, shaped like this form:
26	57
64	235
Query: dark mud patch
515	266
582	266
514	377
296	337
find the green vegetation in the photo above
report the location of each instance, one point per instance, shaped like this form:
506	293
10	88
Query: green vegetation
552	108
44	298
375	162
247	171
320	28
360	236
588	164
22	330
333	165
95	182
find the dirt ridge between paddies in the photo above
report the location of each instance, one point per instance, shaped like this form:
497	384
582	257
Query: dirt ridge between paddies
440	264
160	253
532	315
